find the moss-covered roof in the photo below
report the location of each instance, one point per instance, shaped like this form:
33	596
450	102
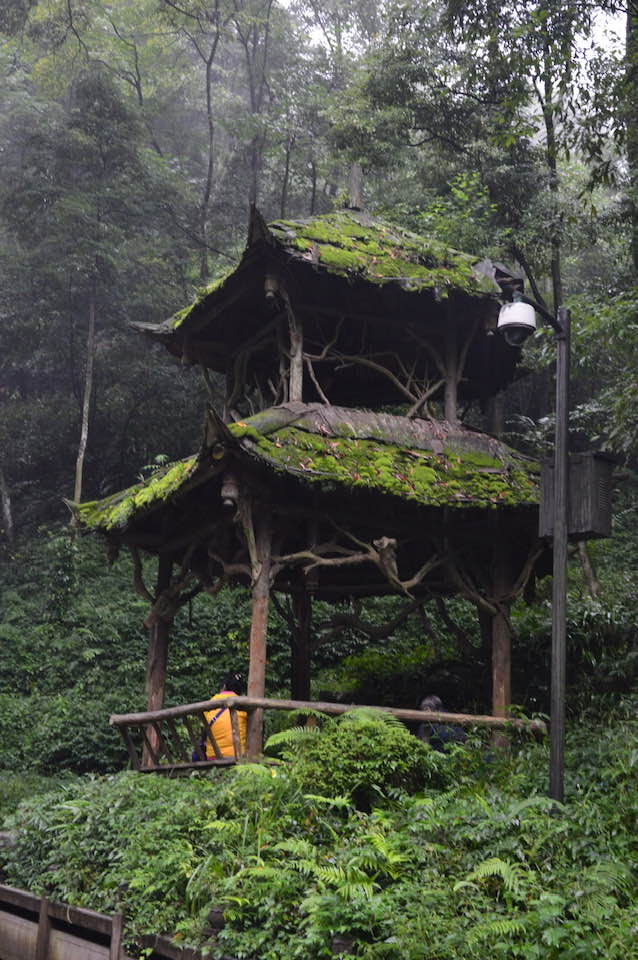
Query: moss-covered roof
116	510
354	245
332	450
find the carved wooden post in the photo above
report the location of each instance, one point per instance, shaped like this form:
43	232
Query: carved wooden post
300	645
258	630
159	632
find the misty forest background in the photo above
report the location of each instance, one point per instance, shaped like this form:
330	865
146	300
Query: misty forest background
133	137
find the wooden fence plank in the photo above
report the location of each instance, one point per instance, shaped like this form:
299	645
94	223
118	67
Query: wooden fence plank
180	750
211	737
162	746
40	939
130	746
195	740
200	765
19	898
234	723
152	752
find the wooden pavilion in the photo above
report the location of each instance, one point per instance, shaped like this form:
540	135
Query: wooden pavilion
305	483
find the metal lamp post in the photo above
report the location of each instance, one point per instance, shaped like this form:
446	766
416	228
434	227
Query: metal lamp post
559	578
561	326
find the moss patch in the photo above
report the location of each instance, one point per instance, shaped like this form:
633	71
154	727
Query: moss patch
114	512
178	318
352	244
341	457
418	475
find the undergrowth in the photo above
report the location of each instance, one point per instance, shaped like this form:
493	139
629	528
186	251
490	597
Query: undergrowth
473	862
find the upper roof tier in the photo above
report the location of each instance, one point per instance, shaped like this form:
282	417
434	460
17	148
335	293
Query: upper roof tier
377	304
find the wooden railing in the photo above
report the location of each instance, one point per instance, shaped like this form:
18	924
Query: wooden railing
34	928
170	740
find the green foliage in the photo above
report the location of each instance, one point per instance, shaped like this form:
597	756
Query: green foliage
482	865
364	754
73	650
16	787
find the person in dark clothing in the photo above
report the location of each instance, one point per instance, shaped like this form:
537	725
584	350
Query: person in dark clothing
438	735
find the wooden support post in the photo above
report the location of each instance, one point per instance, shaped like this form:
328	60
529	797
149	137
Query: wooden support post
158	651
501	638
295	329
44	932
300	645
450	401
258	631
117	923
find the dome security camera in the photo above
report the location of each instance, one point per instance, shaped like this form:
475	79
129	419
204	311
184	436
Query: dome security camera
516	321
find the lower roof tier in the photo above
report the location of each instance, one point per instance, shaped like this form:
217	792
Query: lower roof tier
328	450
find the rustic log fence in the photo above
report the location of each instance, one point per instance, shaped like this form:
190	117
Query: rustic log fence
34	928
175	738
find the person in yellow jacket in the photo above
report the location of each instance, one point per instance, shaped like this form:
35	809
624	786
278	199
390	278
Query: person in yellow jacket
219	723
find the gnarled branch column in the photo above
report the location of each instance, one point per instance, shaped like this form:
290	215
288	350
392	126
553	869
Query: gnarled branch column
158	635
259	626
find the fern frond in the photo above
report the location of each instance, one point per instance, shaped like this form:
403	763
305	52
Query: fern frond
505	927
291	737
607	875
598	885
262	871
354	891
365	715
298	847
229	827
331	875
511	874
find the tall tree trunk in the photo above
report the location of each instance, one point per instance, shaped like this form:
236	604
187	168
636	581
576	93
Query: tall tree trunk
551	153
631	121
210	164
7	515
300	646
313	191
589	572
496	415
254	36
286	178
88	390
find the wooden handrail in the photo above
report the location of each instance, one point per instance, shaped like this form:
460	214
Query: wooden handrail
34	928
249	704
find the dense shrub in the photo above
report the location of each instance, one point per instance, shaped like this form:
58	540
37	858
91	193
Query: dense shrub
361	755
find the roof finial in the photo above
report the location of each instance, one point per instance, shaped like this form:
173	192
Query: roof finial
355	187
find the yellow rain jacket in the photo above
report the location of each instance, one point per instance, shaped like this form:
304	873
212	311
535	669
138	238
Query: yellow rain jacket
221	728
